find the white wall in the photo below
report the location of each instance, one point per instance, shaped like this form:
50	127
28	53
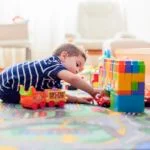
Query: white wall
138	17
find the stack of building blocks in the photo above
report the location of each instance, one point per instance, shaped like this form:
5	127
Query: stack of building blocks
125	79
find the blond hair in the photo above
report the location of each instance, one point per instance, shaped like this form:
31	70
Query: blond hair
71	49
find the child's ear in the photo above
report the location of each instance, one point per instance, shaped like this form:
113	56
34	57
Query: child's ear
63	55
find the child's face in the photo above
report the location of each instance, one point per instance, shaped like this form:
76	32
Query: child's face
74	64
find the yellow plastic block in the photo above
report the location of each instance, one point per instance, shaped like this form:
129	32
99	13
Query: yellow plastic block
107	66
141	77
110	75
95	84
124	86
120	77
128	77
123	82
138	77
114	75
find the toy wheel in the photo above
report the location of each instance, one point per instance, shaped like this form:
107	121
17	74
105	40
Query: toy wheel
99	103
51	104
104	105
61	104
147	102
34	106
42	104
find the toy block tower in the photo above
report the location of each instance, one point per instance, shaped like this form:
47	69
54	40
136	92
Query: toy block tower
126	81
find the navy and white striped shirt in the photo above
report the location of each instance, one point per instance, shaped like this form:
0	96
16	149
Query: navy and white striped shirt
41	74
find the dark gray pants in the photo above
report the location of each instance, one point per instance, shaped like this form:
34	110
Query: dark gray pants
10	97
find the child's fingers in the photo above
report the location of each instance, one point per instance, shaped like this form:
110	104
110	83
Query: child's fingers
85	100
89	99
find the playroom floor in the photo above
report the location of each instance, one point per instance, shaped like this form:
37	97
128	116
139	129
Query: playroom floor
76	127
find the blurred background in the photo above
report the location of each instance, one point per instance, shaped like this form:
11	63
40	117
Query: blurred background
87	22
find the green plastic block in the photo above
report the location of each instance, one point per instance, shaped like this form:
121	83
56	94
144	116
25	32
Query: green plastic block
23	92
115	75
141	67
112	98
134	86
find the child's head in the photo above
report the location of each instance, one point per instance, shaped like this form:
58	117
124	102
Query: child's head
71	56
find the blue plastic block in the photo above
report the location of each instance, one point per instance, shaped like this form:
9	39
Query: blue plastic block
141	86
133	104
135	67
137	92
107	53
128	67
141	89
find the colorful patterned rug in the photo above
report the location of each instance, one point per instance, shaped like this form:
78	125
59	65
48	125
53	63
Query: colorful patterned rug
76	127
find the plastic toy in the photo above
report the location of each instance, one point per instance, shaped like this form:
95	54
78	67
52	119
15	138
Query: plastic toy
95	79
32	99
147	98
39	99
107	53
125	79
104	99
55	97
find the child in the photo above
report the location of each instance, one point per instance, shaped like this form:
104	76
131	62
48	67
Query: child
66	62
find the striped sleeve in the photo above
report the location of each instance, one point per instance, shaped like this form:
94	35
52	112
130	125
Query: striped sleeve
53	72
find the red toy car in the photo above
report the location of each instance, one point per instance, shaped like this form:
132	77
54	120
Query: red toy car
103	101
147	98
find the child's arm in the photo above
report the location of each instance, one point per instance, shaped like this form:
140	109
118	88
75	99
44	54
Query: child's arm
77	82
82	100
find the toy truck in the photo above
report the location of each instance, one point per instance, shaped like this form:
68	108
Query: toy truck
34	99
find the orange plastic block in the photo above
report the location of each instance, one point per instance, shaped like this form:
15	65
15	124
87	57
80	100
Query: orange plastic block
126	86
140	77
122	83
121	78
128	77
32	99
123	92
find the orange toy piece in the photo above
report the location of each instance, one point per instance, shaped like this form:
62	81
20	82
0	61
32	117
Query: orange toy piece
32	99
55	97
39	99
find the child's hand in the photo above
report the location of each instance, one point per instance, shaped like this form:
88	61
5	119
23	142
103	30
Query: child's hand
81	100
98	93
84	100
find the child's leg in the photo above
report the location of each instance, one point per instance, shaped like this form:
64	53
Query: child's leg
11	97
